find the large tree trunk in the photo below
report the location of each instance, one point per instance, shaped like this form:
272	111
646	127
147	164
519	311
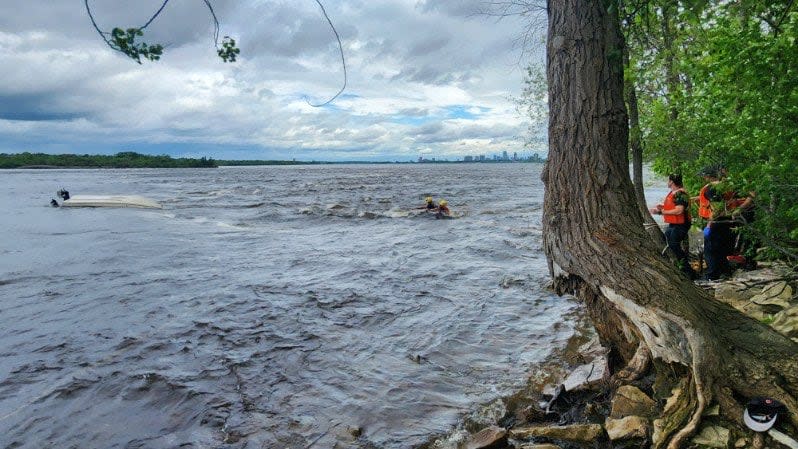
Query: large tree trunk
598	249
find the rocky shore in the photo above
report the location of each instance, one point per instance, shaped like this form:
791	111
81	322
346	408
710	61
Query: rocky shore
570	402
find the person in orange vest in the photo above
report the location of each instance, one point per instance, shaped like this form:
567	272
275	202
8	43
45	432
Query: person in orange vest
714	207
675	211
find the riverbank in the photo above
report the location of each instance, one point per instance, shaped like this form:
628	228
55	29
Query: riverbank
569	401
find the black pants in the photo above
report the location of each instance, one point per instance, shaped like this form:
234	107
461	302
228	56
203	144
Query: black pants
717	245
675	234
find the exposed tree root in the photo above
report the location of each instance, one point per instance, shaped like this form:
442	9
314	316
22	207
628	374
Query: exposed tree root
636	367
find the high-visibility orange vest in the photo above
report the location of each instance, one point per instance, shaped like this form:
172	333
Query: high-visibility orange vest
730	201
670	204
704	206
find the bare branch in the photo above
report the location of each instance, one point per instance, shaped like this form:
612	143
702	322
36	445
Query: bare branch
534	10
343	61
157	13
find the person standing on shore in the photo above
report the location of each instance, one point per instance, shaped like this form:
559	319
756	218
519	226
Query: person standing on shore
675	211
714	203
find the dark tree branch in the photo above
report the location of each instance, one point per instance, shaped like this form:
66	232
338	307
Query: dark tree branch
343	61
123	41
157	13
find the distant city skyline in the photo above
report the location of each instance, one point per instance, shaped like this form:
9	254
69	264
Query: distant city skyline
503	157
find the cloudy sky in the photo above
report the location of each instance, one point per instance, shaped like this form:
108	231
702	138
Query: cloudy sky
425	78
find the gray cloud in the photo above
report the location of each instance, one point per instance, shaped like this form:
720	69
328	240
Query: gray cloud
461	8
406	63
34	107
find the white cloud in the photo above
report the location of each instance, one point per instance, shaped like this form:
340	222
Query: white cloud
410	64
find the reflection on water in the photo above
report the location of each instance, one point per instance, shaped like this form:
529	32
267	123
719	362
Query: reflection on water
268	306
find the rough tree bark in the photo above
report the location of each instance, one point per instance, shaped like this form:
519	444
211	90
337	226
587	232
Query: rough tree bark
597	247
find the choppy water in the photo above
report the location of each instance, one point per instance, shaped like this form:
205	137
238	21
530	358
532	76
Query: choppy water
268	306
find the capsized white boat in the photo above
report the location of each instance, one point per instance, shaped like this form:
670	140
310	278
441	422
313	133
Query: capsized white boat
111	201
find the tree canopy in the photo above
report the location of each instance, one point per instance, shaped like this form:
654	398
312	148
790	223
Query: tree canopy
717	84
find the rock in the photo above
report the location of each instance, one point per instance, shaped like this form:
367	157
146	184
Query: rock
778	289
782	438
740	443
531	413
713	436
775	294
539	446
593	349
753	310
713	410
630	401
734	293
786	322
626	428
588	375
488	438
572	432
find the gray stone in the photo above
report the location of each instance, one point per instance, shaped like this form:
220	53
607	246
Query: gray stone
572	432
630	401
734	292
593	349
713	436
588	375
775	294
626	428
786	322
487	438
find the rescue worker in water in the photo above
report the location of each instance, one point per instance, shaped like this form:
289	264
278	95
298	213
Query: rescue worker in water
443	210
430	204
675	211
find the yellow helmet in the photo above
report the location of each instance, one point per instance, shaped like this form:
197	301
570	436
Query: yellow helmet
443	202
428	199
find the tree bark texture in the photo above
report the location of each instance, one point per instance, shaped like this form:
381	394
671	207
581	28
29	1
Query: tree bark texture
598	249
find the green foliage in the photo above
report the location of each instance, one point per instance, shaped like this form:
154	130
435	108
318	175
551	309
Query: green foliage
125	42
229	51
534	103
732	99
126	159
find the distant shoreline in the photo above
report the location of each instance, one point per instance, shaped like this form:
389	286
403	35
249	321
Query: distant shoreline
41	161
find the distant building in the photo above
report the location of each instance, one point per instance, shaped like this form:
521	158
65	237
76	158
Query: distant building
504	156
468	159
